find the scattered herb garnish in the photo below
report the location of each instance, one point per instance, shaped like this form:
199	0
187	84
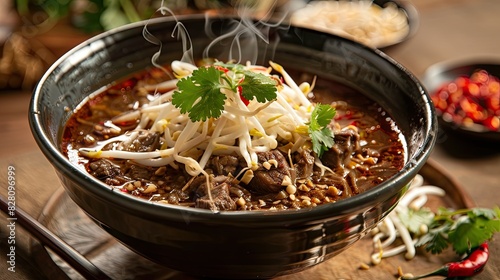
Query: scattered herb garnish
464	229
200	95
321	135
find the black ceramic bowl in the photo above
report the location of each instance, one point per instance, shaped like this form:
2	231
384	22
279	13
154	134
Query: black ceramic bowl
231	244
445	72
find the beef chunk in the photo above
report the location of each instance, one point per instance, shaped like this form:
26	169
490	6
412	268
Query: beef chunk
175	196
103	169
224	165
138	172
239	191
303	163
270	181
219	190
346	142
145	142
194	183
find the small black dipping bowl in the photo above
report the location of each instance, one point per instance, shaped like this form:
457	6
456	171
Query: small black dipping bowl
447	71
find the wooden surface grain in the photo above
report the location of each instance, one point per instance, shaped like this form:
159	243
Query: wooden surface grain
448	29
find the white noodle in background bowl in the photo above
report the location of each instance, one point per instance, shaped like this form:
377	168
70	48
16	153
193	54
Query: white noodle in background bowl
377	24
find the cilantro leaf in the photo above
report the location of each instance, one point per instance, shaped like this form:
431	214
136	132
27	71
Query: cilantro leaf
497	211
444	212
435	241
321	135
484	212
231	66
199	95
472	232
464	229
322	140
258	85
414	219
321	116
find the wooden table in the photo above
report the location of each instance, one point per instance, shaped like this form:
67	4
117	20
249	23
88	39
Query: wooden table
448	29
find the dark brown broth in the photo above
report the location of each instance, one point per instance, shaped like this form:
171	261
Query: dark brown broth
378	133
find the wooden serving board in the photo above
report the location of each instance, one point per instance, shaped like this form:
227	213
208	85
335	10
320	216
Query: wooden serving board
65	219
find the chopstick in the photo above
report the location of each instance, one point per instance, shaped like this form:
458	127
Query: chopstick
76	260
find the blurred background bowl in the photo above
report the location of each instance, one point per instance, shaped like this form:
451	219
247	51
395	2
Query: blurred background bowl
378	23
446	72
231	244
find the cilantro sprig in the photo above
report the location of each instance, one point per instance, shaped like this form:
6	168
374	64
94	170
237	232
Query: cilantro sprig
258	86
200	96
463	229
321	135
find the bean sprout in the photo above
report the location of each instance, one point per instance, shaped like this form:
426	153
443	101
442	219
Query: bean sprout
244	129
391	227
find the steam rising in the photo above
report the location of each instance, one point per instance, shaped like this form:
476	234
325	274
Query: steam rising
243	35
241	39
179	31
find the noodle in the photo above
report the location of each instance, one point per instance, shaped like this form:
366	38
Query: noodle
255	155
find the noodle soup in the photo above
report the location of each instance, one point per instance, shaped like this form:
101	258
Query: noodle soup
133	138
242	244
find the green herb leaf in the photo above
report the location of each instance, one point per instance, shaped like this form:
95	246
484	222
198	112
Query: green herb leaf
322	140
199	95
321	116
445	212
497	211
113	16
321	135
472	232
435	241
414	219
464	229
483	212
230	66
259	86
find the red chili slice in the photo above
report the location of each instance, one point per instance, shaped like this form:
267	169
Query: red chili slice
240	90
474	99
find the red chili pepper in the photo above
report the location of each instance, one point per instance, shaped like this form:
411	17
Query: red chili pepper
220	68
128	84
493	103
470	266
492	123
245	101
475	99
